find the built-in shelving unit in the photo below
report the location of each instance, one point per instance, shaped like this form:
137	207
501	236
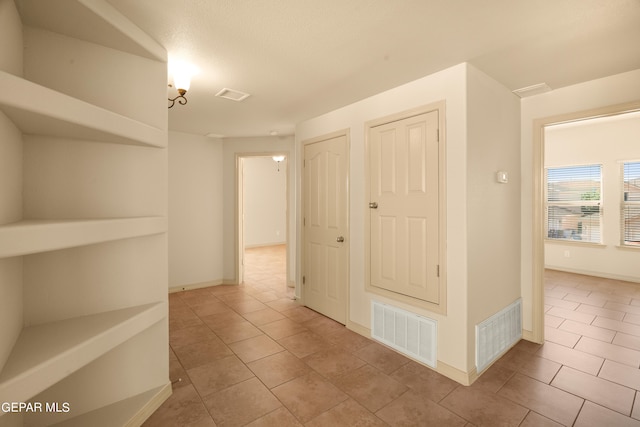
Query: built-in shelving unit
84	307
34	236
122	413
38	110
94	21
45	354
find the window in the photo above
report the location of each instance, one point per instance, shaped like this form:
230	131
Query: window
630	209
573	203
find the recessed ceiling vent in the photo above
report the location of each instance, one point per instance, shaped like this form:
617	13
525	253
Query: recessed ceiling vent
234	95
523	92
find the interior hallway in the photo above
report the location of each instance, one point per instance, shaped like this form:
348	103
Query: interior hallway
249	355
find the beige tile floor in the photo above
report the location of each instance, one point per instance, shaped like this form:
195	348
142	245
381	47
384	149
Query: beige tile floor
249	355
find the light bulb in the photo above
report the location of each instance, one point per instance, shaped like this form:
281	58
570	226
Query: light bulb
182	73
182	81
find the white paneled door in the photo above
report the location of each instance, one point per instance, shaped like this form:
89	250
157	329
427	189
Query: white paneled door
326	226
404	207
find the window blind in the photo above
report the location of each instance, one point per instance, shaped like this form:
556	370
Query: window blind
573	203
630	209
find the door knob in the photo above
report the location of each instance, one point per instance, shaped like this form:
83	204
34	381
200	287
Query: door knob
339	239
373	205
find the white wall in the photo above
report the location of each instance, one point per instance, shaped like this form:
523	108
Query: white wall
482	132
10	184
11	44
202	204
605	141
72	179
265	202
493	209
232	148
195	210
77	67
618	89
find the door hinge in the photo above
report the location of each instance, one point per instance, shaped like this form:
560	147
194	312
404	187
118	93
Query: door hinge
304	279
438	270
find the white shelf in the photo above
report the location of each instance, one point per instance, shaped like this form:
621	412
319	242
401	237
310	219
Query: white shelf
123	413
94	21
38	110
34	236
45	354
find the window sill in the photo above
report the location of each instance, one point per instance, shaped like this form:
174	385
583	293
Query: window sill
575	243
629	247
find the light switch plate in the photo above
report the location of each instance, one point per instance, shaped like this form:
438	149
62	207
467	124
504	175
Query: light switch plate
502	177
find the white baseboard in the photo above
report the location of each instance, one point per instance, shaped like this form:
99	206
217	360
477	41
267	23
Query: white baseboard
594	273
192	286
529	336
264	245
152	405
358	328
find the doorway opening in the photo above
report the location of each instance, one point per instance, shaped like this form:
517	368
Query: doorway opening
266	267
262	239
540	215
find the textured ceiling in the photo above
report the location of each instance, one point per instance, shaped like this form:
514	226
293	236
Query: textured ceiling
302	58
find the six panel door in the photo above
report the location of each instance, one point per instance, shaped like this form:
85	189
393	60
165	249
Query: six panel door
404	206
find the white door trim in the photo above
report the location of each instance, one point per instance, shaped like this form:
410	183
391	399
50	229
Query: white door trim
440	106
239	210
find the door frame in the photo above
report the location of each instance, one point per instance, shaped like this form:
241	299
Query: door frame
441	307
331	135
239	217
537	302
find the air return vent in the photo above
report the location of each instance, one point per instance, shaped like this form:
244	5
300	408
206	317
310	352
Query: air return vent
497	334
524	92
234	95
406	332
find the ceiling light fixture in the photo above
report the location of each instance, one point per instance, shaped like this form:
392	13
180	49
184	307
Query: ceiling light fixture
278	159
182	73
181	84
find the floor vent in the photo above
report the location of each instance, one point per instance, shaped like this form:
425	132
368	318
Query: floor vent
410	334
497	334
